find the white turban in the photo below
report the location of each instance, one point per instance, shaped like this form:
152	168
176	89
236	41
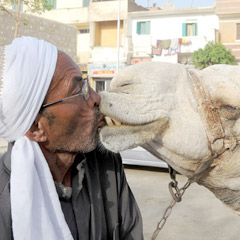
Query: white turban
27	66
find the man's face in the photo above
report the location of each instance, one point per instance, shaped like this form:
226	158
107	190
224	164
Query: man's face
71	125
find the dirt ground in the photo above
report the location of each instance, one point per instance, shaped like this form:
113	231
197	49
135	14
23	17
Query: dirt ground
199	216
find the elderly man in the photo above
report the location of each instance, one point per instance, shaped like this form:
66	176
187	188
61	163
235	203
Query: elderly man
55	182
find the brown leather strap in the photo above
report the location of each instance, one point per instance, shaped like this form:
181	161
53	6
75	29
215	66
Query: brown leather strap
208	113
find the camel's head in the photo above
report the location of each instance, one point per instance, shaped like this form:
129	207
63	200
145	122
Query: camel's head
137	104
181	116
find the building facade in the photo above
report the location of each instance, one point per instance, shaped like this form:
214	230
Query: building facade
167	35
97	43
171	35
228	13
74	13
109	48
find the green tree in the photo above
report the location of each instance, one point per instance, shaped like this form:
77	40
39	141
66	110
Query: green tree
213	53
33	6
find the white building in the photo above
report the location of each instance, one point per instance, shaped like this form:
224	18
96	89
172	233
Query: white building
157	35
107	56
97	23
76	13
170	35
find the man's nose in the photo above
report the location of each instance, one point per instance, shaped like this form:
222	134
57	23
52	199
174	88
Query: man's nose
94	99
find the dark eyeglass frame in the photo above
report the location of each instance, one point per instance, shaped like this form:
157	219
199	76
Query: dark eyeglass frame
84	92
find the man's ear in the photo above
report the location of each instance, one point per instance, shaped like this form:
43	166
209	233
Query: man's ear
36	132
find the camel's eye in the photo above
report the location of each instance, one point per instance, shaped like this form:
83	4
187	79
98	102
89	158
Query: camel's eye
126	84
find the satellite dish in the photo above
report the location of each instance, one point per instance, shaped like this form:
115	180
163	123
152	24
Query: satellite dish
168	6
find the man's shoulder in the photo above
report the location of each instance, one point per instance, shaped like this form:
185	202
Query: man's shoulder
5	206
5	169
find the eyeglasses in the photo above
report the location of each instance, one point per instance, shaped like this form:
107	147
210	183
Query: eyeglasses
84	92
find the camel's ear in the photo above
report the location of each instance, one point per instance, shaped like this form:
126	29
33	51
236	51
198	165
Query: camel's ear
36	132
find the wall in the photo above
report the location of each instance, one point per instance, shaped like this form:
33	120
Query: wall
227	6
166	28
106	54
171	27
83	43
69	3
62	35
79	18
228	12
228	36
68	15
107	10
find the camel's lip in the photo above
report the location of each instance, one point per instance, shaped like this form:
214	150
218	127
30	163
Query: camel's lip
101	122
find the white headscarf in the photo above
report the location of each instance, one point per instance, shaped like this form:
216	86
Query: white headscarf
27	66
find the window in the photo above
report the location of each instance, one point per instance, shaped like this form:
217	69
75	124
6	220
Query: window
106	33
238	31
143	28
189	29
52	3
100	86
85	3
15	5
82	31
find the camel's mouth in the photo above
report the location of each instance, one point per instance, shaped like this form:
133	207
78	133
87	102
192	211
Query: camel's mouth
112	122
118	136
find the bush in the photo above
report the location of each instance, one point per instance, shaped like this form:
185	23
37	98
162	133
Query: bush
213	53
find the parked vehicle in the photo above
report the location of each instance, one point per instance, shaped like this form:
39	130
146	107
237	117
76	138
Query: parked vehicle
141	157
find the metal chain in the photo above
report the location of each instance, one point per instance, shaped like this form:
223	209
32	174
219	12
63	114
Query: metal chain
214	130
177	197
178	193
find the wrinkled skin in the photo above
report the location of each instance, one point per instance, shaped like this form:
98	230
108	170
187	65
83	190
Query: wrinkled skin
158	111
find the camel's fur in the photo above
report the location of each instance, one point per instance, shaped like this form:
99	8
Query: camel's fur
155	103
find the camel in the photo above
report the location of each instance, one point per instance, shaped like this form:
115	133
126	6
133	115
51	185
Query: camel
188	118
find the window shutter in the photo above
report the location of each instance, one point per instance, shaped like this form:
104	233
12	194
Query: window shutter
238	31
138	27
195	29
53	3
184	29
85	3
147	27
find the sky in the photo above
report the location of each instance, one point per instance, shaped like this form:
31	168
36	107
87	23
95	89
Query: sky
178	3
